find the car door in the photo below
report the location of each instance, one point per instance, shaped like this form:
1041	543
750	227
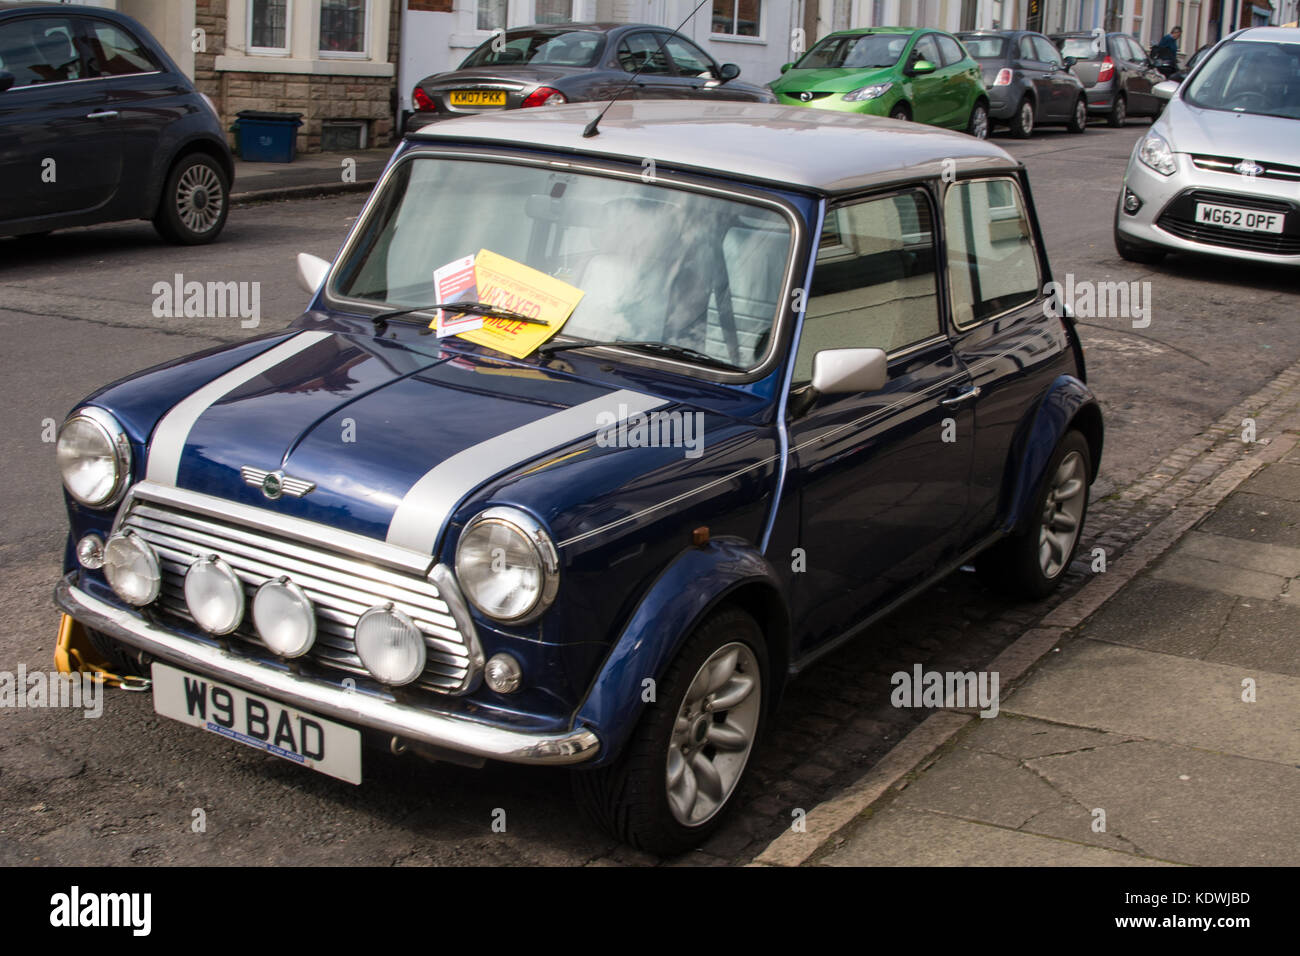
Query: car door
141	100
929	104
958	75
1008	341
1036	75
1150	76
880	476
696	70
641	51
1064	92
55	155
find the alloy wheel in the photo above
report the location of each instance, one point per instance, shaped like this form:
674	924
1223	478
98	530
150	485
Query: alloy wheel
713	734
1027	117
199	198
1062	515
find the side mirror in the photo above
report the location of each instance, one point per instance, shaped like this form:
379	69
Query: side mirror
6	80
786	66
1070	61
1165	90
921	67
729	71
840	371
312	271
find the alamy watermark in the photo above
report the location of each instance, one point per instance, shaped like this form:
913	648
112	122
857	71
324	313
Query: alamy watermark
653	430
1099	300
951	689
45	689
179	299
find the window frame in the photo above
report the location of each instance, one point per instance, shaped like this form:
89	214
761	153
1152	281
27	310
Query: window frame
710	63
76	33
363	53
758	36
252	50
1035	249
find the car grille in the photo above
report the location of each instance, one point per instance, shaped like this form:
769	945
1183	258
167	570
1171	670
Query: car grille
1227	164
340	587
1179	219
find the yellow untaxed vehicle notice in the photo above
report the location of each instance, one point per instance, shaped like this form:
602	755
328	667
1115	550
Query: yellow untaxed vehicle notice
508	284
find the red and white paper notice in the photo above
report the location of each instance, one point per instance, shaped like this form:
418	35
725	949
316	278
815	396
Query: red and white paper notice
454	282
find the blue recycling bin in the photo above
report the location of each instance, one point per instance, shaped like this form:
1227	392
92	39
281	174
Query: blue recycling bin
264	137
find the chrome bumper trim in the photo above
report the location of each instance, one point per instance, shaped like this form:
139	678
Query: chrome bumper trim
352	707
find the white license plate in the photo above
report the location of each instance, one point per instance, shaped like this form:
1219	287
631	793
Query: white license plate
1231	217
259	722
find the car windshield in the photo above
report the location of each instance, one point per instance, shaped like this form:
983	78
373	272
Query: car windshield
655	263
985	48
1247	76
551	47
855	52
1081	48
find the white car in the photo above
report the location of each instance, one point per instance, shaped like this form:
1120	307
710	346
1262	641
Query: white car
1219	171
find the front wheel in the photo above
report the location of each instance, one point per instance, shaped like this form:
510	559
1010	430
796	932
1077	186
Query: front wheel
679	771
900	112
1079	118
1132	252
978	125
195	200
1030	564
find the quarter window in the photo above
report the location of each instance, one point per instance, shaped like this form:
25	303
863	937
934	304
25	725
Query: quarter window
115	52
874	281
991	259
39	50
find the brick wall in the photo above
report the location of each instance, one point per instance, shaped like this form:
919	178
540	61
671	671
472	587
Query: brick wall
317	98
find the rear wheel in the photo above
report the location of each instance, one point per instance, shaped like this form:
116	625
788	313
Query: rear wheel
195	200
1079	118
1118	115
978	125
680	770
1022	124
1030	564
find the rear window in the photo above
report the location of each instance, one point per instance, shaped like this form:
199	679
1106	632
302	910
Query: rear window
1081	48
556	47
986	48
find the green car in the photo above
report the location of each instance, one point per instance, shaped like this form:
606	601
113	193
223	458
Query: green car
901	72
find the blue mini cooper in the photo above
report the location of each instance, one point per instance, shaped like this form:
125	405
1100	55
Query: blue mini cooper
813	369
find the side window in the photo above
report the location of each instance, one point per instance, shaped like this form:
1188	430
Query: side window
40	50
874	280
991	259
1047	53
928	49
952	52
114	52
641	51
1027	49
690	59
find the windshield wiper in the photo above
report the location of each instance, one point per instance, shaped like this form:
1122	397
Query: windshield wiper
657	348
485	309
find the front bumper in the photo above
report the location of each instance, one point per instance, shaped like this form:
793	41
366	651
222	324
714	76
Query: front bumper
1161	194
348	706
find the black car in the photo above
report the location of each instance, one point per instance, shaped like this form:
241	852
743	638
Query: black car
546	65
1029	83
1119	76
97	124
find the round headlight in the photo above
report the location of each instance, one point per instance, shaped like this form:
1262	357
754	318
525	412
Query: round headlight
94	457
284	618
507	565
214	595
390	645
132	569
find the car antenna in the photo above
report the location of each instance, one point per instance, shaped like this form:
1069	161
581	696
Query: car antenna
591	129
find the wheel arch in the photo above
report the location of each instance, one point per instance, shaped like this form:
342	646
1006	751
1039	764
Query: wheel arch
208	146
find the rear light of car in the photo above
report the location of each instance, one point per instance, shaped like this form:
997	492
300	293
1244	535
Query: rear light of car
421	99
1004	77
544	96
1107	70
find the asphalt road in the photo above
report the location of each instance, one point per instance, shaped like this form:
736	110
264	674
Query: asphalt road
76	312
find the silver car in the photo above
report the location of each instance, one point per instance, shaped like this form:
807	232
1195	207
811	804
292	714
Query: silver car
1219	171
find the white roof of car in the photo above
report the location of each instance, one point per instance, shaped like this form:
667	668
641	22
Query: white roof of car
792	145
1271	34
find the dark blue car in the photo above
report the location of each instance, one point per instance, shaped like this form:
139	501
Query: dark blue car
814	369
97	124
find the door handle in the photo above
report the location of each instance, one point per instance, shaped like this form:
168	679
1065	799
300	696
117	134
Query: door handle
966	396
102	114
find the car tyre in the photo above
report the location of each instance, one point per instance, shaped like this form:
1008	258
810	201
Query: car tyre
1031	563
687	757
1022	123
195	201
900	112
978	124
1118	115
1079	118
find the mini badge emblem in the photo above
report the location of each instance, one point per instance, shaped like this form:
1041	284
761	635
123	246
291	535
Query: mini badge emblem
1248	167
275	484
